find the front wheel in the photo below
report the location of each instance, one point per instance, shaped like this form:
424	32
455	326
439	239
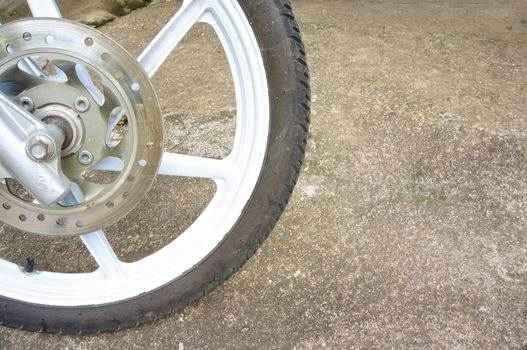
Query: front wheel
254	182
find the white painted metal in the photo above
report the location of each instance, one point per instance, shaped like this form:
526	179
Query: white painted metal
44	8
235	177
174	164
84	77
169	37
103	254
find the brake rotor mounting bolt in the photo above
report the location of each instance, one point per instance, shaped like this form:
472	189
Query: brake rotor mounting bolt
49	39
27	104
85	157
82	104
40	148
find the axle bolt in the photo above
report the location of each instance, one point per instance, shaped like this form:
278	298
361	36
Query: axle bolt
40	148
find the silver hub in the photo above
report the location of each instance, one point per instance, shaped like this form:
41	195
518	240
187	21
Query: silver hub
68	121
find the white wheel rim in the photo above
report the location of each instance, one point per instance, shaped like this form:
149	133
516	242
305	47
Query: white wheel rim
235	176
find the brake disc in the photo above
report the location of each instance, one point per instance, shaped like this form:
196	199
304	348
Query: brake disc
81	80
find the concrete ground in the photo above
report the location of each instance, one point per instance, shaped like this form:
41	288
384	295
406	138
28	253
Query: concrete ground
408	226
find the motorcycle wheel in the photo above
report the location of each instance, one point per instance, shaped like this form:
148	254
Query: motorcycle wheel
267	57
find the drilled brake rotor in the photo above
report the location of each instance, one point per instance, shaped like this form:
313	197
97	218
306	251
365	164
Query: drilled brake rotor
79	79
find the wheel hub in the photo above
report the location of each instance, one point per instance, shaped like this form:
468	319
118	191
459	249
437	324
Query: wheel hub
78	79
68	121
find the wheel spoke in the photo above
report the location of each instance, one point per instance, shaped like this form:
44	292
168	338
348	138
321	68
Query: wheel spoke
170	36
96	242
84	77
174	164
110	164
44	8
103	253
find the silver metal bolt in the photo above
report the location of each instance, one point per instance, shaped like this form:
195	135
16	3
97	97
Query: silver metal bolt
40	148
82	104
85	157
49	39
27	103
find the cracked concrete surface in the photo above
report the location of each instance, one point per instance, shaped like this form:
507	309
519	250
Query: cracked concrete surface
408	226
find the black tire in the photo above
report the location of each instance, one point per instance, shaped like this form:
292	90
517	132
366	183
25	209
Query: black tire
288	78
